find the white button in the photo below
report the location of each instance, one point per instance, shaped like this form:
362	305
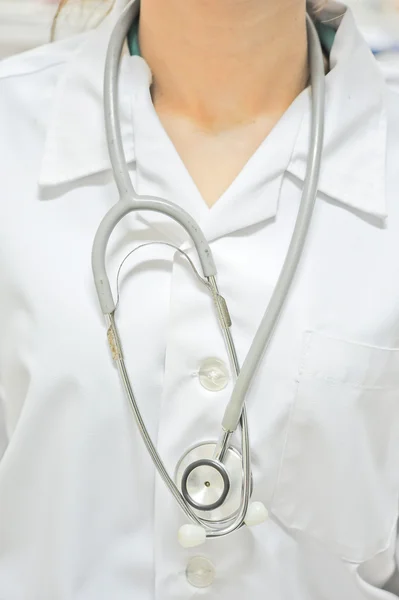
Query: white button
200	572
213	374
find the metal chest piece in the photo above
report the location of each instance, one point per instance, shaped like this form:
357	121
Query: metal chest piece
213	489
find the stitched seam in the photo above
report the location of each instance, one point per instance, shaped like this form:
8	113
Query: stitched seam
62	59
346	342
307	371
392	533
357	386
31	72
303	359
340	549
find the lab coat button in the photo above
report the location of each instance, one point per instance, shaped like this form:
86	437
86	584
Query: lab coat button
200	572
213	374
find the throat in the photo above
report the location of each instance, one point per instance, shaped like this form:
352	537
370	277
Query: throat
224	73
224	64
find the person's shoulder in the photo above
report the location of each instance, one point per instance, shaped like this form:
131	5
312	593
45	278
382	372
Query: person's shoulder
46	57
28	88
28	84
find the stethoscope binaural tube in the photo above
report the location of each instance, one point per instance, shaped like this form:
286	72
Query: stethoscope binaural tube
129	202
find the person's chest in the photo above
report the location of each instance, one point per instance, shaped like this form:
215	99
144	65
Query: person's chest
322	408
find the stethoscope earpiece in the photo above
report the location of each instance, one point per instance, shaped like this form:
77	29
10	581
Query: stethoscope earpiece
190	535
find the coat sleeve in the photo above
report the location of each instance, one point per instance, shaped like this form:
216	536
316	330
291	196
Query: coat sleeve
3	428
392	584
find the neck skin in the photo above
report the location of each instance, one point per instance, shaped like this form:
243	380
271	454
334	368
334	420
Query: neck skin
224	63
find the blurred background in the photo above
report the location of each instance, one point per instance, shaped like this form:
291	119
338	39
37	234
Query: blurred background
27	23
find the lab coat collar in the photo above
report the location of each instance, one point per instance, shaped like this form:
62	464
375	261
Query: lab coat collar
353	173
76	145
250	199
353	166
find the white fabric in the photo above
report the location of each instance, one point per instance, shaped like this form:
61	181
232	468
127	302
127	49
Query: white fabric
389	63
82	514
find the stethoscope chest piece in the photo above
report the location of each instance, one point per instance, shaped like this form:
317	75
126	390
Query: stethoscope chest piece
212	488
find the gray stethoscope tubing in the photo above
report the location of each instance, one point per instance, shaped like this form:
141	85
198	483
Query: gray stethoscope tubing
129	201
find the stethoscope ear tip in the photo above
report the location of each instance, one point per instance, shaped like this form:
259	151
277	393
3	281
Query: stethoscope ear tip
191	535
257	513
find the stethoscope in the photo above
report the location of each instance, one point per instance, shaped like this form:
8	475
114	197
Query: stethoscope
213	482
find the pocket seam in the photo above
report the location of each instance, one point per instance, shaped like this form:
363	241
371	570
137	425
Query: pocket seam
321	335
298	378
304	355
315	339
333	381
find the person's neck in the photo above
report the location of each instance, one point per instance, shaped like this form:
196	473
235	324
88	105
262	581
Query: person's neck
224	63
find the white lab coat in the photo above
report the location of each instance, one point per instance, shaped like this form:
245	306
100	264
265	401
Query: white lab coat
82	514
389	64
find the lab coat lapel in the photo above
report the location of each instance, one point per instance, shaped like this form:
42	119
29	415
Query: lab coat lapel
353	165
253	197
75	144
159	171
250	199
353	162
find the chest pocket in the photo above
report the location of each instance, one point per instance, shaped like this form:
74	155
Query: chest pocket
339	477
